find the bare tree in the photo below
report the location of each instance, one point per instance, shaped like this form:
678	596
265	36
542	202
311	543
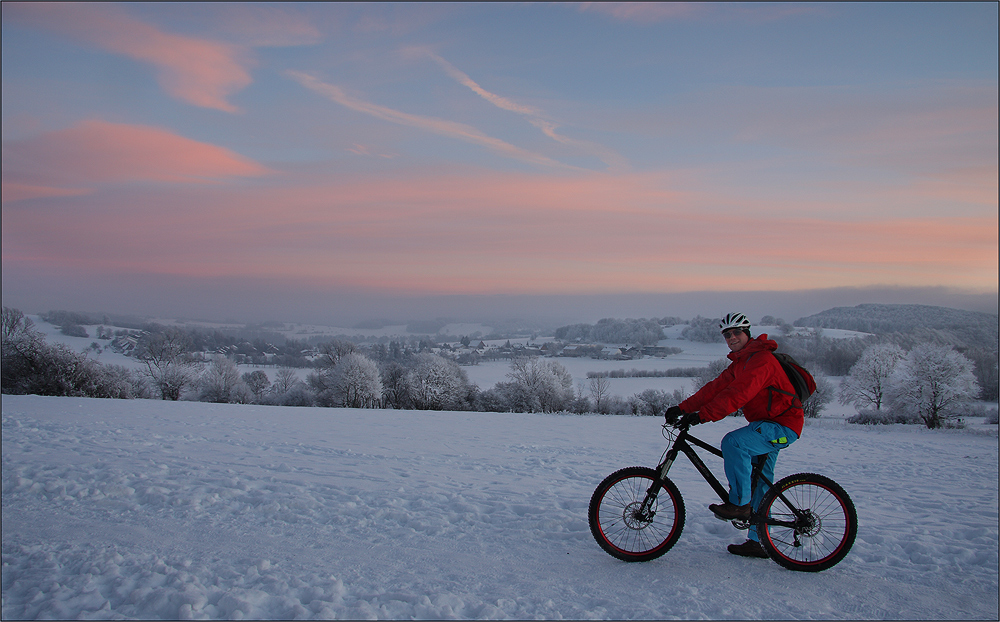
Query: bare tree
22	360
258	382
815	403
14	322
395	391
162	354
284	380
600	386
331	352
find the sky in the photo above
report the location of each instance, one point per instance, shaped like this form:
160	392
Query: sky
335	162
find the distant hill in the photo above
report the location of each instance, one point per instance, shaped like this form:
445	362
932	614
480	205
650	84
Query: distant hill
967	328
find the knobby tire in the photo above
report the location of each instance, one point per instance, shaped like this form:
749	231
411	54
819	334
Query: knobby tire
824	538
617	528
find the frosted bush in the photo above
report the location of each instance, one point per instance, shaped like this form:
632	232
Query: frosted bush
882	417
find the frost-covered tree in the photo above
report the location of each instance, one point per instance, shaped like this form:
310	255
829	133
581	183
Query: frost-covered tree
867	382
703	329
508	397
221	383
543	379
435	383
710	373
357	381
29	365
933	382
655	402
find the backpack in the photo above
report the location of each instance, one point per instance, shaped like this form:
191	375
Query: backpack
802	381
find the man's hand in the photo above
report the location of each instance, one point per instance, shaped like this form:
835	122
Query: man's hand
691	419
673	414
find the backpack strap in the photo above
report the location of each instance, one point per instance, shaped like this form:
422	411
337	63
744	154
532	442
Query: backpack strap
771	390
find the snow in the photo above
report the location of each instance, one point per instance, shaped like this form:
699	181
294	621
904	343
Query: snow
150	509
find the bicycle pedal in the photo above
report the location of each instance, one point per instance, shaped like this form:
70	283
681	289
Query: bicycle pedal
741	524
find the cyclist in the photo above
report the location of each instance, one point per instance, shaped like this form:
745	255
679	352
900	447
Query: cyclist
775	419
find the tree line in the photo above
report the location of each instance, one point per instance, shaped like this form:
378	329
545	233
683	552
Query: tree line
929	383
396	375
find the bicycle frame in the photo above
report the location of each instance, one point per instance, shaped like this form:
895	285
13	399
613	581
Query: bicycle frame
683	444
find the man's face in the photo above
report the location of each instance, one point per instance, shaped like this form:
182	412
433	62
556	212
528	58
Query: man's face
736	339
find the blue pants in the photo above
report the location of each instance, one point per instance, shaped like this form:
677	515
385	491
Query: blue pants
760	438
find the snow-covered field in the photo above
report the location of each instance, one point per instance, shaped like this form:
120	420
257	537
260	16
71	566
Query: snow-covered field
149	509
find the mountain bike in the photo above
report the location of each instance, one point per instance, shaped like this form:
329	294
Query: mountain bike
805	522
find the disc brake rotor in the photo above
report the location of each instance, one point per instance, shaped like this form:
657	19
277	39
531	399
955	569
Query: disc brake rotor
633	517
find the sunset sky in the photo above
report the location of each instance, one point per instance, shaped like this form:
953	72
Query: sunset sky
328	162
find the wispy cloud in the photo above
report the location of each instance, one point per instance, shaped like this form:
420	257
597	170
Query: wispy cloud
497	100
452	129
95	152
614	160
197	71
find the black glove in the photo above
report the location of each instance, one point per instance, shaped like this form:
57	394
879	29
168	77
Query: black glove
691	419
673	414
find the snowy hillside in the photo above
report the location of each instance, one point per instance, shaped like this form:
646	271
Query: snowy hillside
151	509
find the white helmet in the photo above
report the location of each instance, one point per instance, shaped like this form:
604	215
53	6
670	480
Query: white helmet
734	320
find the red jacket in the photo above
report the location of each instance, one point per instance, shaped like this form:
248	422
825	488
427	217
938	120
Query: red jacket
748	383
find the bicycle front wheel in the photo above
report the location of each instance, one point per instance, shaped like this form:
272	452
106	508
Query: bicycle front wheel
628	527
810	522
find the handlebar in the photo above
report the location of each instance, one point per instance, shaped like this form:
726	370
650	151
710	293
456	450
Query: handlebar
683	420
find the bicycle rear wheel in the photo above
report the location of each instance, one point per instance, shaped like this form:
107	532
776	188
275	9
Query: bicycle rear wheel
622	528
819	522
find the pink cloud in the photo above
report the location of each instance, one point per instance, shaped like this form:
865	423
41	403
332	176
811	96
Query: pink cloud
14	191
94	152
512	233
198	71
